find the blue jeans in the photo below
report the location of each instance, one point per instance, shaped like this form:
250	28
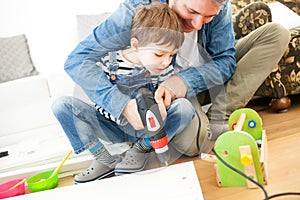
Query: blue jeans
84	125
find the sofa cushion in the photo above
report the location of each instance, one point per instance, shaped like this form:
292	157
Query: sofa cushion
25	105
15	59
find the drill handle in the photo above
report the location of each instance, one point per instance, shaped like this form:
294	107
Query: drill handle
149	112
153	123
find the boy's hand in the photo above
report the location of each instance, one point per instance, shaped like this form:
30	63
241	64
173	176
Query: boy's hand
162	110
131	113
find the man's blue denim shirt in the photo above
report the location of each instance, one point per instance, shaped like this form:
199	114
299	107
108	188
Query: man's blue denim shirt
217	38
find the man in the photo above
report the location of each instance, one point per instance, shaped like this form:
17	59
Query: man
209	62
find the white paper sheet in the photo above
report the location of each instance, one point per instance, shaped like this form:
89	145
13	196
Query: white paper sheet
175	182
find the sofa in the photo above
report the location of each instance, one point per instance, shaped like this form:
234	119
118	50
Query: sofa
29	131
284	80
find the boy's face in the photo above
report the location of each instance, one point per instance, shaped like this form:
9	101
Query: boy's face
156	57
194	13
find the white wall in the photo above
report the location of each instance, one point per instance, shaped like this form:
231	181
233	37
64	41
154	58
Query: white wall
50	26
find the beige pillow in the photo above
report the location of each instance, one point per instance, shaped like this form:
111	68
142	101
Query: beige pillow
284	16
15	59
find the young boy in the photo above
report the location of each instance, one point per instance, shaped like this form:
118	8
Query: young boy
156	36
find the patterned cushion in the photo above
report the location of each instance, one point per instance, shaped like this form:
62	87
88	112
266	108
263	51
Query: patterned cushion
15	59
285	78
250	18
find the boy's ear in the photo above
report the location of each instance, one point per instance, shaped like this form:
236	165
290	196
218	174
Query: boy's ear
134	43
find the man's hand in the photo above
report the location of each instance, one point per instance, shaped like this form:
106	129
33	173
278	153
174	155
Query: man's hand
174	86
164	96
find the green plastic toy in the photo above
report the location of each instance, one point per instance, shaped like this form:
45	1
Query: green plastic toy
252	123
238	147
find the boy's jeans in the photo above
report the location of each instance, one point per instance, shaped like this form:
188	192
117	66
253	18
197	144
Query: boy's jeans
84	125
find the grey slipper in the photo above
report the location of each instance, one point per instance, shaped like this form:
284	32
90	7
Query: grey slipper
134	161
97	170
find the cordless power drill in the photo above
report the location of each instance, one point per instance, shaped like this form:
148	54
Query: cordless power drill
153	123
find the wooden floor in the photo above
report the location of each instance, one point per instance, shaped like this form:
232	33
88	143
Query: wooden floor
283	134
278	124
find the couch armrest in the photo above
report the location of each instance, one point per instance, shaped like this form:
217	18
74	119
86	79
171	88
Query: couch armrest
250	18
22	91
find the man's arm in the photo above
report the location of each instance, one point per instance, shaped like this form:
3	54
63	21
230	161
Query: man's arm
112	34
218	42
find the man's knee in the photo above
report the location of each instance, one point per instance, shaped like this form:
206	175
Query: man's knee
186	141
191	139
282	35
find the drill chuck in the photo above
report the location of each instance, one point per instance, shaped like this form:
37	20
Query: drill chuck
161	148
163	157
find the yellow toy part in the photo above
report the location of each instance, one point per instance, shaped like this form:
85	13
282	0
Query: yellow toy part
246	159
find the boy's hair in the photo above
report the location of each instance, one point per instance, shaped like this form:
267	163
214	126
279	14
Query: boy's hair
157	23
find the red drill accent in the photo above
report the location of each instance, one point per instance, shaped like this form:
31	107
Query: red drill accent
157	144
152	122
